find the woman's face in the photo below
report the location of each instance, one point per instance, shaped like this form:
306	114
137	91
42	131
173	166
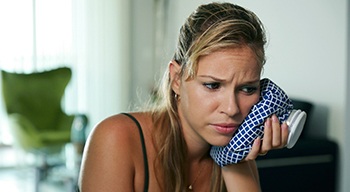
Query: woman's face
214	103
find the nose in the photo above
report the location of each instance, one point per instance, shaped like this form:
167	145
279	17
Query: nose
229	105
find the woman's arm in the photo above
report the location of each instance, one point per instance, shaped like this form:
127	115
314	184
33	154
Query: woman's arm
241	177
107	163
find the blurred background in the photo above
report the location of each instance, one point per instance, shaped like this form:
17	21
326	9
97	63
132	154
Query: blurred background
117	49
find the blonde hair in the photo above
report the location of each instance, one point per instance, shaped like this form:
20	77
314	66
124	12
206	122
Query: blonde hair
209	28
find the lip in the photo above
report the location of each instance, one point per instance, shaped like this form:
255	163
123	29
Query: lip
225	129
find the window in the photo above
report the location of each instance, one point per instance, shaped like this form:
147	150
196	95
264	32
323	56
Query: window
91	37
35	35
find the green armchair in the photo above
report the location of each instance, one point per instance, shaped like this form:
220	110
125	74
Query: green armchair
36	119
33	105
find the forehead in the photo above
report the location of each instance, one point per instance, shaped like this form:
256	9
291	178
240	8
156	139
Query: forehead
229	60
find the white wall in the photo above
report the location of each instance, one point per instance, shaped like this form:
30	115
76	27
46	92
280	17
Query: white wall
346	155
307	57
146	45
102	57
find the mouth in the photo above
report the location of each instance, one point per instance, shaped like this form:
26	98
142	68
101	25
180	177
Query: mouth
225	129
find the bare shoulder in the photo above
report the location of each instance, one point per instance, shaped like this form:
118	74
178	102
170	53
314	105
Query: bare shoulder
119	128
117	132
113	127
110	155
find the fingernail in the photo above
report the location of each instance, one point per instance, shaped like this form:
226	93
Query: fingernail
274	118
258	141
268	121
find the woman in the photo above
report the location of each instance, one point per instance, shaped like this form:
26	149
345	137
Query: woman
207	91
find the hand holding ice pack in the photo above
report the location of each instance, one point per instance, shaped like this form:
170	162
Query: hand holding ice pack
273	100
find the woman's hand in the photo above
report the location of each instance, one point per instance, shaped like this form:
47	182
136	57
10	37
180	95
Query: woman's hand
244	176
275	137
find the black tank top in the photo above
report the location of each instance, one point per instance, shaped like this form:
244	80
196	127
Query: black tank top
143	145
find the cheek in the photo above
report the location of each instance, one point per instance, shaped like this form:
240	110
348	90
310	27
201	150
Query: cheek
195	101
247	103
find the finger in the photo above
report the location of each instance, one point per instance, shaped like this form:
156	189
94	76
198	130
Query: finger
267	141
285	134
254	152
276	132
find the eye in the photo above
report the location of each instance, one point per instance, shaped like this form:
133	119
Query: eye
249	89
214	85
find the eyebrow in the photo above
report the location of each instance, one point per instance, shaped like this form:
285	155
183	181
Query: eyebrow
252	82
221	80
212	77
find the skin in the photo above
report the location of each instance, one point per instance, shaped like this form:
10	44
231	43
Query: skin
219	97
216	99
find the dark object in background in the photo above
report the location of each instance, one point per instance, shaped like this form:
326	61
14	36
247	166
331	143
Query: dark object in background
311	165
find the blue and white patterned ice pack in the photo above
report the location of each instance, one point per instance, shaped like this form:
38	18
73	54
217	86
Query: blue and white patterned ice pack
273	100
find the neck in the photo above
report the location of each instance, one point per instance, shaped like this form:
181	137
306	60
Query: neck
198	173
197	148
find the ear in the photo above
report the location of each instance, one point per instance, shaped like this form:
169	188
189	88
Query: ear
174	71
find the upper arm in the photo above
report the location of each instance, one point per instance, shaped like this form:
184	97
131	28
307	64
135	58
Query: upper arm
107	163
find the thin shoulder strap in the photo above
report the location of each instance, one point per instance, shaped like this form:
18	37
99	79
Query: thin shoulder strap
145	161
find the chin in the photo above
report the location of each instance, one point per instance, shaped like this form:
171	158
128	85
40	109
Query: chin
221	141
